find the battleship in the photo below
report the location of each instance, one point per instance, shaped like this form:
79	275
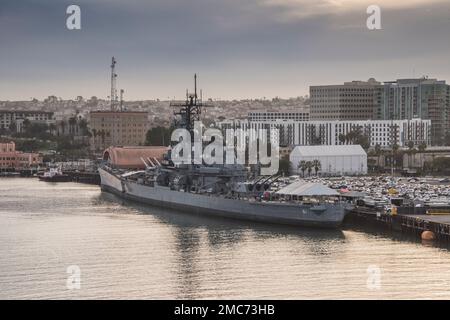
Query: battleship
222	190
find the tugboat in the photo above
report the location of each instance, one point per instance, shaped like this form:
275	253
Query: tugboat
55	175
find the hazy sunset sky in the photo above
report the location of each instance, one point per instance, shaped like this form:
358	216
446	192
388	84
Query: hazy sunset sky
239	48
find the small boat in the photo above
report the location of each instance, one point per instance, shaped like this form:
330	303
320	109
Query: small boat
55	175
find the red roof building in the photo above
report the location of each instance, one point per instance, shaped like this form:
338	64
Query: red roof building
13	160
131	157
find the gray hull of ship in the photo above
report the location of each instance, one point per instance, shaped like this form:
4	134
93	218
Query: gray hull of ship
324	216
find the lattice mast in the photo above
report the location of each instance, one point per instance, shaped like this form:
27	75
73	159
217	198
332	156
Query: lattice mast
113	93
189	111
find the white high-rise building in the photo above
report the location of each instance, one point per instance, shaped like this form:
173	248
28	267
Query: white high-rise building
384	133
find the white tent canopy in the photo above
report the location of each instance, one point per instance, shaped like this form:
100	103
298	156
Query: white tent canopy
302	188
334	160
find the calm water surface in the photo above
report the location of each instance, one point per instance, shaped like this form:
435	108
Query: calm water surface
128	251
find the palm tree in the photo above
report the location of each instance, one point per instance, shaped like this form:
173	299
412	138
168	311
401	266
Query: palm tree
83	125
422	147
395	150
378	152
72	124
309	166
26	124
13	127
63	127
411	151
302	166
102	135
52	128
317	166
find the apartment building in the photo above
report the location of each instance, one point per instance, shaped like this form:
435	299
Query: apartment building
7	118
117	128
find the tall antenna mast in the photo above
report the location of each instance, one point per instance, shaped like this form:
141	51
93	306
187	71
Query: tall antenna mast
113	96
195	87
121	99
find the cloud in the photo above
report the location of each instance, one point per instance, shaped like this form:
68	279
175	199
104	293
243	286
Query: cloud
299	9
242	46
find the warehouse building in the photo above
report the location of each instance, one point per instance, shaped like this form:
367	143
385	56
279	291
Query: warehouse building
334	160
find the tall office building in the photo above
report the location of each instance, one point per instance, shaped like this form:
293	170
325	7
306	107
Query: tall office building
418	98
356	100
403	99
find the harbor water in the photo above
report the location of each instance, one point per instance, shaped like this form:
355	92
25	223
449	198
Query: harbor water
123	250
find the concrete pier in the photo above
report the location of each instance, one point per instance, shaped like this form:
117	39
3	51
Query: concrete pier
414	224
84	177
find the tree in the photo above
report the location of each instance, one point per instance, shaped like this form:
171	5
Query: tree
103	135
63	127
285	166
411	152
26	125
378	150
309	167
356	136
397	156
83	125
52	128
441	164
395	148
447	139
317	166
93	101
72	124
13	127
422	147
35	130
158	136
302	166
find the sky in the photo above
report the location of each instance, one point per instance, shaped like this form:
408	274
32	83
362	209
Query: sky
239	48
